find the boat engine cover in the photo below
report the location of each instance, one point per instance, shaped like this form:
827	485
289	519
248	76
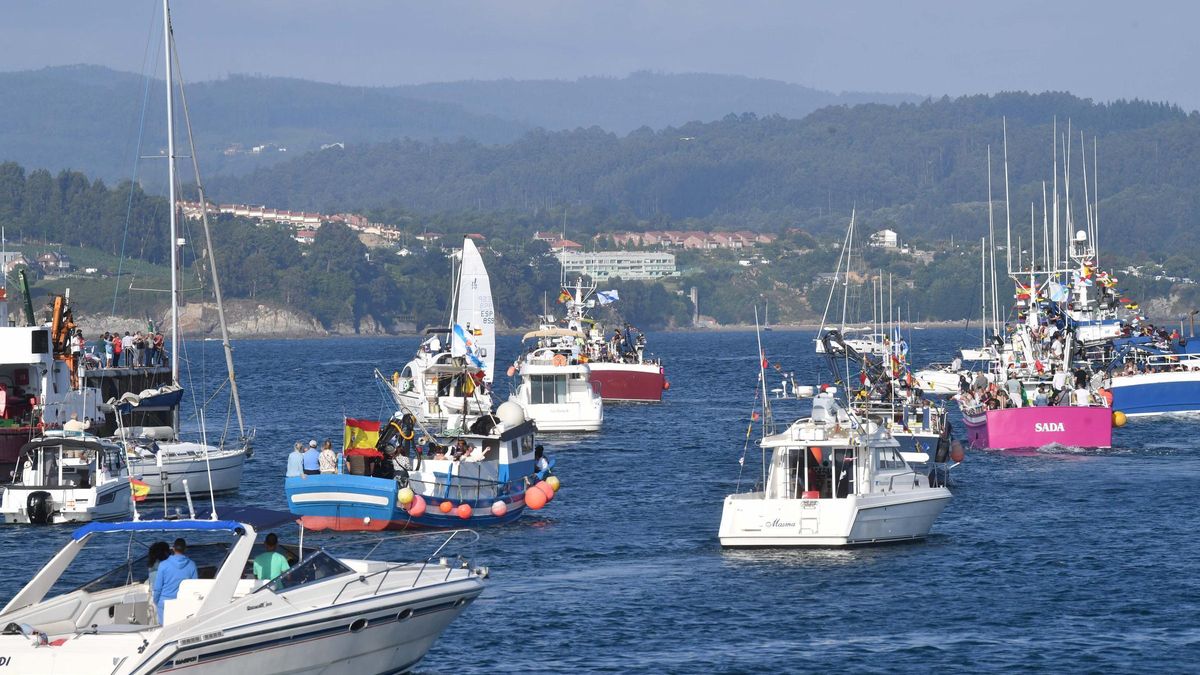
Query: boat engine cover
38	507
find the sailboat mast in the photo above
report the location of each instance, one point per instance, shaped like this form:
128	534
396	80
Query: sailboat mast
171	193
212	257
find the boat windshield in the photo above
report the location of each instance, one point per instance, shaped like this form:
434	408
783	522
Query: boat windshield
101	551
316	567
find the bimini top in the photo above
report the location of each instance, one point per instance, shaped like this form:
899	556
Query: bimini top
553	332
158	526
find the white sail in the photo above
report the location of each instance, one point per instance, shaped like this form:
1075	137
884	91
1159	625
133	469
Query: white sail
475	320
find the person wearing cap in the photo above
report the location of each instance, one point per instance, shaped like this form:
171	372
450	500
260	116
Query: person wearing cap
312	459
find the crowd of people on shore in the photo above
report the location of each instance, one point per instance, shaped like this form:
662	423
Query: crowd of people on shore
116	350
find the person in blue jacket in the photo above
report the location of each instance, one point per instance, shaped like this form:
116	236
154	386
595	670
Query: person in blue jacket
171	573
295	462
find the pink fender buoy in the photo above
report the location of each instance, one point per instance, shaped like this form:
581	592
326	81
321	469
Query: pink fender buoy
535	498
416	508
546	489
511	371
499	508
464	511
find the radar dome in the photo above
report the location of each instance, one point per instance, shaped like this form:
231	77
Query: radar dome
511	414
1080	235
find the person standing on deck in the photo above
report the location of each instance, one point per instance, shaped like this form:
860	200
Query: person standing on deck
127	349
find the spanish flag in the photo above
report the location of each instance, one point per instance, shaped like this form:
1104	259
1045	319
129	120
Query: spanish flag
564	296
140	489
360	434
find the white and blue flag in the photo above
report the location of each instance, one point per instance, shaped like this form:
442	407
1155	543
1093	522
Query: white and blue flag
608	297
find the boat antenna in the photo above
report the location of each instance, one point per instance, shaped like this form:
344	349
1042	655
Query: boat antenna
212	258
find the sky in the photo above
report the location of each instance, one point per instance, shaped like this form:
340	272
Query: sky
1100	49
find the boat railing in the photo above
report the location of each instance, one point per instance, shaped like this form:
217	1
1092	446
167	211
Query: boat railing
423	563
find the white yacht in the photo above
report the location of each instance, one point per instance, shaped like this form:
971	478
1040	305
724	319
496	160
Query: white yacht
834	479
555	387
326	614
67	479
452	372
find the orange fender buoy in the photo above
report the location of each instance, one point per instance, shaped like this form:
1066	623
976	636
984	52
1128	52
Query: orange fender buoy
535	498
445	506
464	511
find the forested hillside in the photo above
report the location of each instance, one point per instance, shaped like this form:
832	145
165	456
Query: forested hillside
920	168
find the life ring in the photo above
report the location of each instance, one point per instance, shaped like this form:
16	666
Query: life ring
559	360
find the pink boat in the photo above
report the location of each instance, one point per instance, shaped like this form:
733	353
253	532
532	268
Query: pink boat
1034	427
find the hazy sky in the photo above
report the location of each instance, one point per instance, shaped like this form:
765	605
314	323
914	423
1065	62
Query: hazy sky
1104	50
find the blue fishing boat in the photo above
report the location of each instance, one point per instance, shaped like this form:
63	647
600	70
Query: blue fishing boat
487	475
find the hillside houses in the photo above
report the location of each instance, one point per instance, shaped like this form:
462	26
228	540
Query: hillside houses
305	223
691	239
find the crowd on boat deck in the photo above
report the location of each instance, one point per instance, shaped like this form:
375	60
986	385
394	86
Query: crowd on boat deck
115	350
394	460
622	347
1062	389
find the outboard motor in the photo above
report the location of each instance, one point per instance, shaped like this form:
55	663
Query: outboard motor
38	507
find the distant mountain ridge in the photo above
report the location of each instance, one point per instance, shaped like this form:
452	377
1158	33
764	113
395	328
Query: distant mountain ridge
641	99
88	117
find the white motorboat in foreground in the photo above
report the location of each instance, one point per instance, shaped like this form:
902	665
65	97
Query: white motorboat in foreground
67	479
331	614
834	479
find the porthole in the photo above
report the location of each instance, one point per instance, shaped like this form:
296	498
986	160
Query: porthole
358	625
404	615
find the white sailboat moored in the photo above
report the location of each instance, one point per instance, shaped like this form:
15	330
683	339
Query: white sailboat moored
450	377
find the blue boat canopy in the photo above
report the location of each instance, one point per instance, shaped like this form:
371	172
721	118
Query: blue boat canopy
157	526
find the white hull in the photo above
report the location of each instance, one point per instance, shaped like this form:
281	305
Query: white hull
750	520
185	461
572	417
79	505
937	382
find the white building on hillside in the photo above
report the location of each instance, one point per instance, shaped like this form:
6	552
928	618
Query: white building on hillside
601	265
885	239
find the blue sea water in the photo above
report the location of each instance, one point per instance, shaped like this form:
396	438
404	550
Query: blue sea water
1056	560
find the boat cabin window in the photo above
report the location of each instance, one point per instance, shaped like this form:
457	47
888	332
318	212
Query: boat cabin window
889	458
316	567
547	389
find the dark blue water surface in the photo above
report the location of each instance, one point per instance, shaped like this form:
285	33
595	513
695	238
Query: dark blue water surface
1052	560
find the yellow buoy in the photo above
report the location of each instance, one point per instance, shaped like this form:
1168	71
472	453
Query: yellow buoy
1119	418
553	482
405	496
